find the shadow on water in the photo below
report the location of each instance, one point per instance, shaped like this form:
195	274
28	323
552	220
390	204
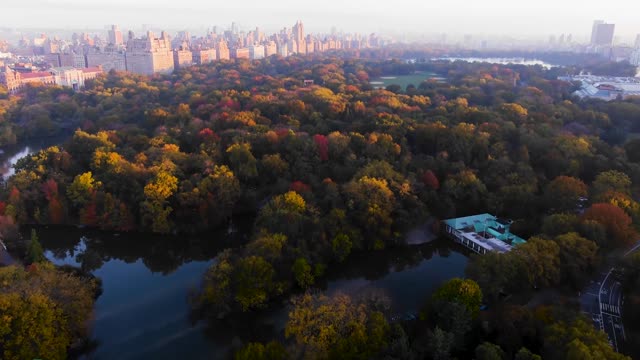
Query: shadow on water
406	274
143	311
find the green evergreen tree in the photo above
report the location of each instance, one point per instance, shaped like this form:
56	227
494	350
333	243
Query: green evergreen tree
35	253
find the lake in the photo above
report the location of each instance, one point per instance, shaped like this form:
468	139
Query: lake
502	61
143	311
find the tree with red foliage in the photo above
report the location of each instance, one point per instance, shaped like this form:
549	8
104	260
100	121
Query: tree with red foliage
431	180
617	223
323	146
56	210
50	189
14	196
89	214
208	135
300	187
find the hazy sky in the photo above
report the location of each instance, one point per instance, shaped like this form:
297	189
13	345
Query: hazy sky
516	17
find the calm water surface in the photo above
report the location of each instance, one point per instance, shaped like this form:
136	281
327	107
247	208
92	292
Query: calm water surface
143	312
502	61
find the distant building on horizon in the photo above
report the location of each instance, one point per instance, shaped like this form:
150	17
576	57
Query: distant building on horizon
115	36
602	33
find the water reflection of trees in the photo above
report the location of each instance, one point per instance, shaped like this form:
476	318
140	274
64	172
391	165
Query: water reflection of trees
377	265
160	254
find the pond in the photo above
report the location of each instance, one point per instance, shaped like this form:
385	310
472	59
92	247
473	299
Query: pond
143	312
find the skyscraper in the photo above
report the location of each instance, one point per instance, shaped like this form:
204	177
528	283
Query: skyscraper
115	36
298	36
637	44
602	33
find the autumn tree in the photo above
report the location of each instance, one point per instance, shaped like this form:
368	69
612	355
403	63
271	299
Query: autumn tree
32	327
259	351
463	291
155	209
563	193
542	259
616	222
578	339
302	273
44	310
336	327
341	245
286	213
578	257
242	160
611	181
372	203
255	282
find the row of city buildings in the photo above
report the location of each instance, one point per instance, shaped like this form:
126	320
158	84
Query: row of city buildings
152	54
14	79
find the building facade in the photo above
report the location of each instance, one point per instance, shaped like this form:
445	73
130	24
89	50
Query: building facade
61	76
149	55
182	58
204	56
602	33
107	60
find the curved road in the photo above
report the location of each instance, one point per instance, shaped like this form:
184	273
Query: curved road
602	300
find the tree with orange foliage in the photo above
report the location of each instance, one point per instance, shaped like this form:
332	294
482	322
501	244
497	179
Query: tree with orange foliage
616	222
564	192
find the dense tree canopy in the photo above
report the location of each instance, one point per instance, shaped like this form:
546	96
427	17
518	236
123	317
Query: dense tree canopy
329	170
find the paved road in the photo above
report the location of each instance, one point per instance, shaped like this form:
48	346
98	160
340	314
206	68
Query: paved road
602	301
611	309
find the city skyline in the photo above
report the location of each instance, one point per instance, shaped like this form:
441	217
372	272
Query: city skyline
403	16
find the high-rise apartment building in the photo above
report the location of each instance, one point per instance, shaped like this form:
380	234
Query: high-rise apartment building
270	49
72	59
204	56
298	36
256	52
149	55
222	50
602	33
108	60
241	53
182	58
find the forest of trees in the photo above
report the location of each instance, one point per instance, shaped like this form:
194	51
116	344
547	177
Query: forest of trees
339	167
